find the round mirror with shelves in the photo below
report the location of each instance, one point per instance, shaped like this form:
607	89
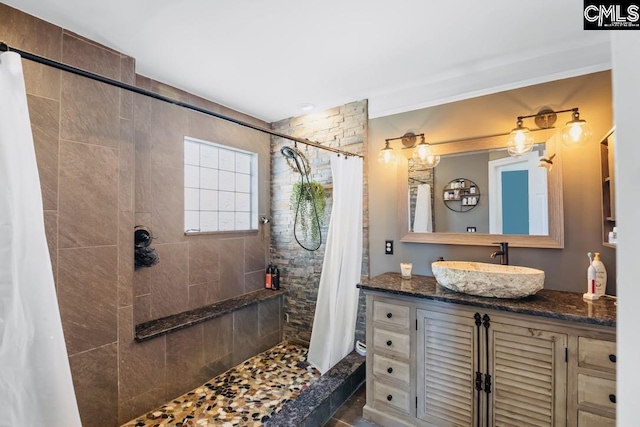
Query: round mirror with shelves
461	195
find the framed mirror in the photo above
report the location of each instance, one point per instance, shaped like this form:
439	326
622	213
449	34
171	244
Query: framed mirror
521	199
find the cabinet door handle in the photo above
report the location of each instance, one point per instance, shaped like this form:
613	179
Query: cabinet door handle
389	343
612	398
389	315
389	397
390	370
612	358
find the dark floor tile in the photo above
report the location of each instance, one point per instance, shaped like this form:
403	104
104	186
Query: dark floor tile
350	414
350	411
361	393
361	422
335	423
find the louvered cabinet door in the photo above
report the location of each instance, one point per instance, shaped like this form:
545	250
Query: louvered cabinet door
446	362
529	377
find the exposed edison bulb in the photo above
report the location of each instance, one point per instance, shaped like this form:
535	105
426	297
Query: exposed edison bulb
576	132
520	141
424	156
387	156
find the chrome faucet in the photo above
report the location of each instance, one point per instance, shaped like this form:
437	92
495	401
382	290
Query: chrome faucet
503	252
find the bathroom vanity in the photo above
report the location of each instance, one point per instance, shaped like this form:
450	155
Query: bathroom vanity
440	358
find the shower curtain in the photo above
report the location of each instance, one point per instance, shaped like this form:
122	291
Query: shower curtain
332	336
35	379
422	222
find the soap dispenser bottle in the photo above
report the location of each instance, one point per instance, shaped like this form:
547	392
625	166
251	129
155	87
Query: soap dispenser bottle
591	280
601	274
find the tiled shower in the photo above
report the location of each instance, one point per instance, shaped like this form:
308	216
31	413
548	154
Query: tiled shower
110	160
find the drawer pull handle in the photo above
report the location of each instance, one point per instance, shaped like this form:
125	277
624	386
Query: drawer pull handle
389	315
612	358
612	398
389	343
390	370
389	397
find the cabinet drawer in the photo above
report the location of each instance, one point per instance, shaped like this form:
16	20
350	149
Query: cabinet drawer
391	314
386	394
389	368
597	354
393	342
596	391
587	419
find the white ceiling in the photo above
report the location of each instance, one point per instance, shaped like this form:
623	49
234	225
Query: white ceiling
266	58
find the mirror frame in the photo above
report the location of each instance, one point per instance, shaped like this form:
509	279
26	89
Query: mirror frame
555	239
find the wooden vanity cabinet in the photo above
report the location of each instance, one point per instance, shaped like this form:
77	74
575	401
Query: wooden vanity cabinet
477	367
593	380
483	369
390	336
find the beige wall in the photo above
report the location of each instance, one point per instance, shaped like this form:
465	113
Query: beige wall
565	268
109	160
195	270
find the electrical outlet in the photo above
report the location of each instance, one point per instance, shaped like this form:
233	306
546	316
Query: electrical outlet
388	247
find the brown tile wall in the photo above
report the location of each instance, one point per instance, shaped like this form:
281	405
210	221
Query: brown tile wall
109	160
343	127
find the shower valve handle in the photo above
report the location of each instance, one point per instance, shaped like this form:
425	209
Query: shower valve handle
390	370
389	315
389	343
389	397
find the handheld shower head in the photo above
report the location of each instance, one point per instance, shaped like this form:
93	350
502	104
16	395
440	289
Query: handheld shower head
288	152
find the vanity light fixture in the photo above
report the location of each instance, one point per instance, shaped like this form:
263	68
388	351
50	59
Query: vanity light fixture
423	155
387	156
575	133
520	140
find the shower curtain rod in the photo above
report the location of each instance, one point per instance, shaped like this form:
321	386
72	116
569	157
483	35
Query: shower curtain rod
64	67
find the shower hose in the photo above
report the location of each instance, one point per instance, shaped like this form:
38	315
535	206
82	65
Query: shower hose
292	154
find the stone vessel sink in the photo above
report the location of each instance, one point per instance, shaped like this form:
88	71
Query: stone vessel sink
488	280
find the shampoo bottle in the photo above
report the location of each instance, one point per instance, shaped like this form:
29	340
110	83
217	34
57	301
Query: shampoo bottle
268	278
275	278
601	275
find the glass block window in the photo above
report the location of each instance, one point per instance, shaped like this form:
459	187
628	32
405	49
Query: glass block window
220	188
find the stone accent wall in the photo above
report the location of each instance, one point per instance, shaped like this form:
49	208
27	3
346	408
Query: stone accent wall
343	127
109	160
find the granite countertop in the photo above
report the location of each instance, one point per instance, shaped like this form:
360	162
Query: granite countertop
546	303
155	328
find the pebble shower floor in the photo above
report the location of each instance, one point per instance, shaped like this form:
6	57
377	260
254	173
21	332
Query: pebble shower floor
245	395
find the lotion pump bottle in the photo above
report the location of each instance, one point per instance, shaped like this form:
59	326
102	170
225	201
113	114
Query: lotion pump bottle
601	275
591	280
